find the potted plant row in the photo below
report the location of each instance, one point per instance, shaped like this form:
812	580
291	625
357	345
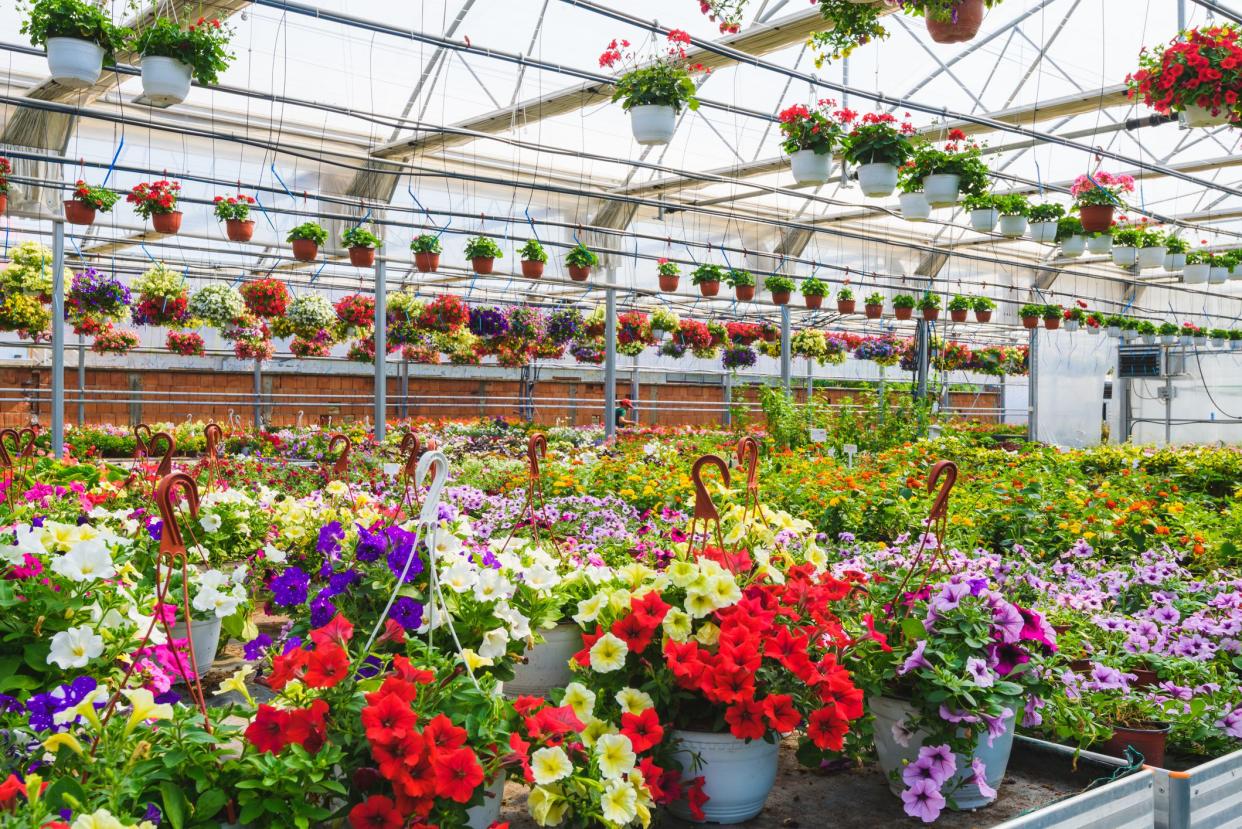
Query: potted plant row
1032	314
937	175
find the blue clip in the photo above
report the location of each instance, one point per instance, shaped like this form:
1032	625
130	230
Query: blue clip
272	167
112	166
533	231
263	210
148	253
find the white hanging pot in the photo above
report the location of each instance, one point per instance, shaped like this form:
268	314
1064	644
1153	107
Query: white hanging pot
1113	331
737	775
1124	255
942	189
1174	262
1045	232
1168	339
1235	345
879	179
1073	247
1099	244
984	220
1218	342
1151	257
1071	325
653	123
810	167
914	207
1197	116
1186	339
1235	273
487	812
1196	274
1200	342
165	81
1218	274
1149	339
73	62
204	636
547	664
1013	226
1093	330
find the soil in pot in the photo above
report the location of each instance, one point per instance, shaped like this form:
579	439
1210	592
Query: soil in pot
305	250
958	316
745	293
1148	741
426	262
668	284
813	302
532	269
780	297
579	273
846	306
983	316
77	213
482	264
166	223
874	312
709	288
967	18
361	256
903	313
239	230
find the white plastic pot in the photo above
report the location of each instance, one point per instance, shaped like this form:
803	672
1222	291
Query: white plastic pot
1174	262
165	81
1186	340
810	167
879	179
488	812
1013	226
1200	342
204	636
1073	247
547	664
1218	274
942	189
1113	331
1124	255
914	207
653	123
1093	330
1149	339
1071	326
1235	345
1196	274
1218	342
984	220
1168	339
1151	257
1197	116
1235	273
1099	244
73	62
737	775
1045	232
893	756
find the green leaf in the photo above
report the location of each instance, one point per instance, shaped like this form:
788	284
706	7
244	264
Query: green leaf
65	793
210	803
174	804
913	628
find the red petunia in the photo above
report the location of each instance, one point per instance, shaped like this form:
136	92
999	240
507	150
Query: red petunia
339	630
306	726
636	630
393	687
267	731
442	735
457	774
745	719
327	666
651	606
521	750
287	667
388	719
583	657
826	729
408	672
378	812
696	797
780	712
644	730
525	705
554	722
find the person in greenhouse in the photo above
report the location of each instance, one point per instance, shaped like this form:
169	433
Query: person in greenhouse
624	407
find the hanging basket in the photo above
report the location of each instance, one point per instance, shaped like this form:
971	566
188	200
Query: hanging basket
744	293
166	223
957	316
668	282
78	213
165	81
874	312
532	269
709	288
579	273
1096	218
653	124
361	256
846	306
426	262
967	18
813	301
73	62
239	230
482	264
305	250
903	313
780	297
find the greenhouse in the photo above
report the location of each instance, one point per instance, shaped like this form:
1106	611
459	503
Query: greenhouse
487	414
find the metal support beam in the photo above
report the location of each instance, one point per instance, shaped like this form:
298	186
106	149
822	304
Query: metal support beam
728	399
922	359
1032	373
786	370
634	391
405	388
258	394
381	348
610	354
1212	6
58	338
81	380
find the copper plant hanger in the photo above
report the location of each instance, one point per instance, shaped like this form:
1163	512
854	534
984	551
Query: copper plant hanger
536	448
937	524
412	448
704	509
215	439
748	453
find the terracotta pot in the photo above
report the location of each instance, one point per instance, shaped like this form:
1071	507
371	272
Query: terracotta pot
426	262
239	230
1052	323
903	313
579	273
77	213
1030	322
1080	666
305	250
709	288
4	203
744	293
361	256
968	18
166	223
931	314
482	264
846	306
669	283
1149	742
873	312
1096	218
532	269
1145	678
813	302
780	297
983	316
958	316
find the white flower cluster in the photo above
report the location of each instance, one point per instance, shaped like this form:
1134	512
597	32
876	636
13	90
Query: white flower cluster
217	304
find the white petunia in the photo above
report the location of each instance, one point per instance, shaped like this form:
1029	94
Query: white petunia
549	765
616	756
85	561
29	540
460	577
541	577
75	647
608	654
491	586
495	643
273	555
210	522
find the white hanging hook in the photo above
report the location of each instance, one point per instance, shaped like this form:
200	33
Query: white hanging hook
430	514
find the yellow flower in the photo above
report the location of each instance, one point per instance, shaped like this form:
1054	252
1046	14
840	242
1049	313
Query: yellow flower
724	591
608	654
550	765
699	603
615	754
145	708
581	699
677	625
634	701
56	741
619	803
596	728
708	635
683	573
337	488
237	682
474	661
547	805
588	609
101	819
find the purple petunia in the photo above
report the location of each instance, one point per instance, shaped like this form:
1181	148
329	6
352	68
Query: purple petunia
330	535
257	647
916	659
923	801
407	613
400	550
290	587
371	544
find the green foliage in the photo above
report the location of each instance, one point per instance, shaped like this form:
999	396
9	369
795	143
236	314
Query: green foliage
853	25
903	301
1013	204
662	83
580	256
845	294
789	426
739	279
481	247
706	273
779	284
1052	312
982	303
960	303
813	287
359	237
426	243
309	231
875	298
1047	212
203	46
1175	243
941	10
965	162
99	198
1031	310
880	143
533	251
1067	227
73	18
928	302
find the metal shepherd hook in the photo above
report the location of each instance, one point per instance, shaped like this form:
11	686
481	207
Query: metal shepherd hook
748	453
937	525
704	509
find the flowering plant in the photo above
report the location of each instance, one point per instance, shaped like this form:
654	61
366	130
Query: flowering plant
563	325
233	208
426	243
815	129
488	322
1200	68
320	345
252	344
187	344
666	267
156	197
163	297
311	313
445	314
6	168
265	297
73	18
808	343
878	138
633	333
959	156
95	298
738	356
217	303
1100	188
853	25
96	198
112	340
203	45
356	311
662	319
666	80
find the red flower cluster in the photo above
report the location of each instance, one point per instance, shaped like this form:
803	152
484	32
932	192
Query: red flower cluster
445	314
1203	68
266	298
188	344
356	310
156	197
632	328
694	334
744	333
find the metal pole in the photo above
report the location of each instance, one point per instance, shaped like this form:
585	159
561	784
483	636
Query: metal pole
634	391
810	379
405	388
786	370
1032	374
81	379
258	394
728	398
58	338
923	358
610	355
1168	400
381	348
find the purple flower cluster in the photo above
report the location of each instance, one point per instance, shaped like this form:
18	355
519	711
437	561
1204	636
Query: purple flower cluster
290	587
563	325
488	322
738	356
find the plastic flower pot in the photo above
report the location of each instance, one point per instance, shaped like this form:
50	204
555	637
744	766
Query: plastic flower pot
958	316
942	189
1045	232
1093	330
579	273
1200	342
482	264
1151	257
983	316
1096	218
1073	247
1112	331
1013	226
737	775
1052	323
964	25
1235	273
361	256
1197	116
810	167
780	297
914	207
903	313
239	230
1174	262
873	312
204	636
1235	345
1072	325
546	666
1196	274
744	293
892	755
487	812
984	220
74	63
709	288
1218	274
669	282
878	179
4	203
1030	322
812	301
79	213
427	262
1099	244
846	306
165	81
1124	255
305	250
1168	339
1148	742
931	314
532	269
166	223
1218	342
653	123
